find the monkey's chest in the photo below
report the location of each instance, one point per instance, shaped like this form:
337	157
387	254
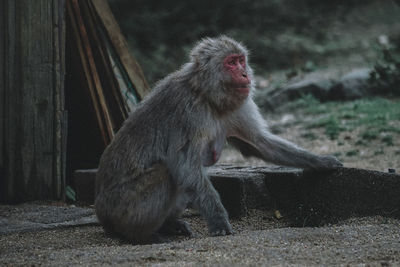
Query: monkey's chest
211	151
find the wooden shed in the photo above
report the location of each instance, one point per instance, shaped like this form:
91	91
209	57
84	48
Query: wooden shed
67	83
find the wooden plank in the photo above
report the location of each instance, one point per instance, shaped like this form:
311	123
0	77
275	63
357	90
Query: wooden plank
59	99
96	26
112	93
89	79
38	96
121	46
93	70
30	101
9	181
2	92
77	39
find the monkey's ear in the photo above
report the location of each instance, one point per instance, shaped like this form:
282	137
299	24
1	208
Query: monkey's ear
245	148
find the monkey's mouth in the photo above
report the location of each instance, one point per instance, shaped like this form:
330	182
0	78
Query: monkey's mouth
243	89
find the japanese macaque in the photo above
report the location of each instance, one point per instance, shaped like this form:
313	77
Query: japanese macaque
155	165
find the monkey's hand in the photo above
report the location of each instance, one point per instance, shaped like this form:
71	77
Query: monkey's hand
328	163
220	226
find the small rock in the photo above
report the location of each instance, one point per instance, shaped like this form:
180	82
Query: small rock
353	85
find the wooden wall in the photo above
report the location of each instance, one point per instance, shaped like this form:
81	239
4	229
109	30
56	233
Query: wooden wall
32	116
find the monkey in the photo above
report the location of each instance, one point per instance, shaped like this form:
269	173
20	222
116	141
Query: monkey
156	164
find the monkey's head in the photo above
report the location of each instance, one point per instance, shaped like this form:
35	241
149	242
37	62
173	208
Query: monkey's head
222	73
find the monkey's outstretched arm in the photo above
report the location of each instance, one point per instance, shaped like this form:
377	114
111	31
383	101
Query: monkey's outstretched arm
248	132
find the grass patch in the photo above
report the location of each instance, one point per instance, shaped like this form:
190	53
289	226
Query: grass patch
389	129
374	112
337	154
388	140
309	136
309	103
348	115
352	153
374	115
369	135
361	143
333	128
331	125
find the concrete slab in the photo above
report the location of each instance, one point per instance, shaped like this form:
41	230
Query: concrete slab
307	198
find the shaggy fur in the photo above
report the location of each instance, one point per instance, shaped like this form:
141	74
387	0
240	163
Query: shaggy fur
155	164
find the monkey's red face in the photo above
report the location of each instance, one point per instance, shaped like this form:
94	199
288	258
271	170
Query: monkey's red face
235	66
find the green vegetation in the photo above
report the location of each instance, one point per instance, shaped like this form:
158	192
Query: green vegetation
352	153
361	143
331	125
379	152
281	34
388	140
369	135
309	136
337	154
385	79
376	117
309	103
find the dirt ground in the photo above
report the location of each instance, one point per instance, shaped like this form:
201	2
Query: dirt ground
367	157
260	239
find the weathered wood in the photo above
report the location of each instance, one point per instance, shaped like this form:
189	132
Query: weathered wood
121	46
104	124
61	123
305	198
117	108
93	69
32	86
2	91
124	109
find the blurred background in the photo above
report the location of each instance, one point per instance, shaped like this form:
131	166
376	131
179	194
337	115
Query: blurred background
327	72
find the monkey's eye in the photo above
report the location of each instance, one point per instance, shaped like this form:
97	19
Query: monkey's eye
241	61
232	62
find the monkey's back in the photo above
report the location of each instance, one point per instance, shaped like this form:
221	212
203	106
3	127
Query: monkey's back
158	128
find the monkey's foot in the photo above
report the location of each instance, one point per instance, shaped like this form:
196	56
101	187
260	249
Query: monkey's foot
221	228
222	232
176	227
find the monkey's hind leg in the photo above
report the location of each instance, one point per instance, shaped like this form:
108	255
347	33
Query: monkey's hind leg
173	225
137	206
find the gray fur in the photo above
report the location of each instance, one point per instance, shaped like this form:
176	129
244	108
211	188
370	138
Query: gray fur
155	164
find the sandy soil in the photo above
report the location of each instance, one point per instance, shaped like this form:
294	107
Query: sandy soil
259	240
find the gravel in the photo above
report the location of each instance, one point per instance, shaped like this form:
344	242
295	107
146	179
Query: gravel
260	239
